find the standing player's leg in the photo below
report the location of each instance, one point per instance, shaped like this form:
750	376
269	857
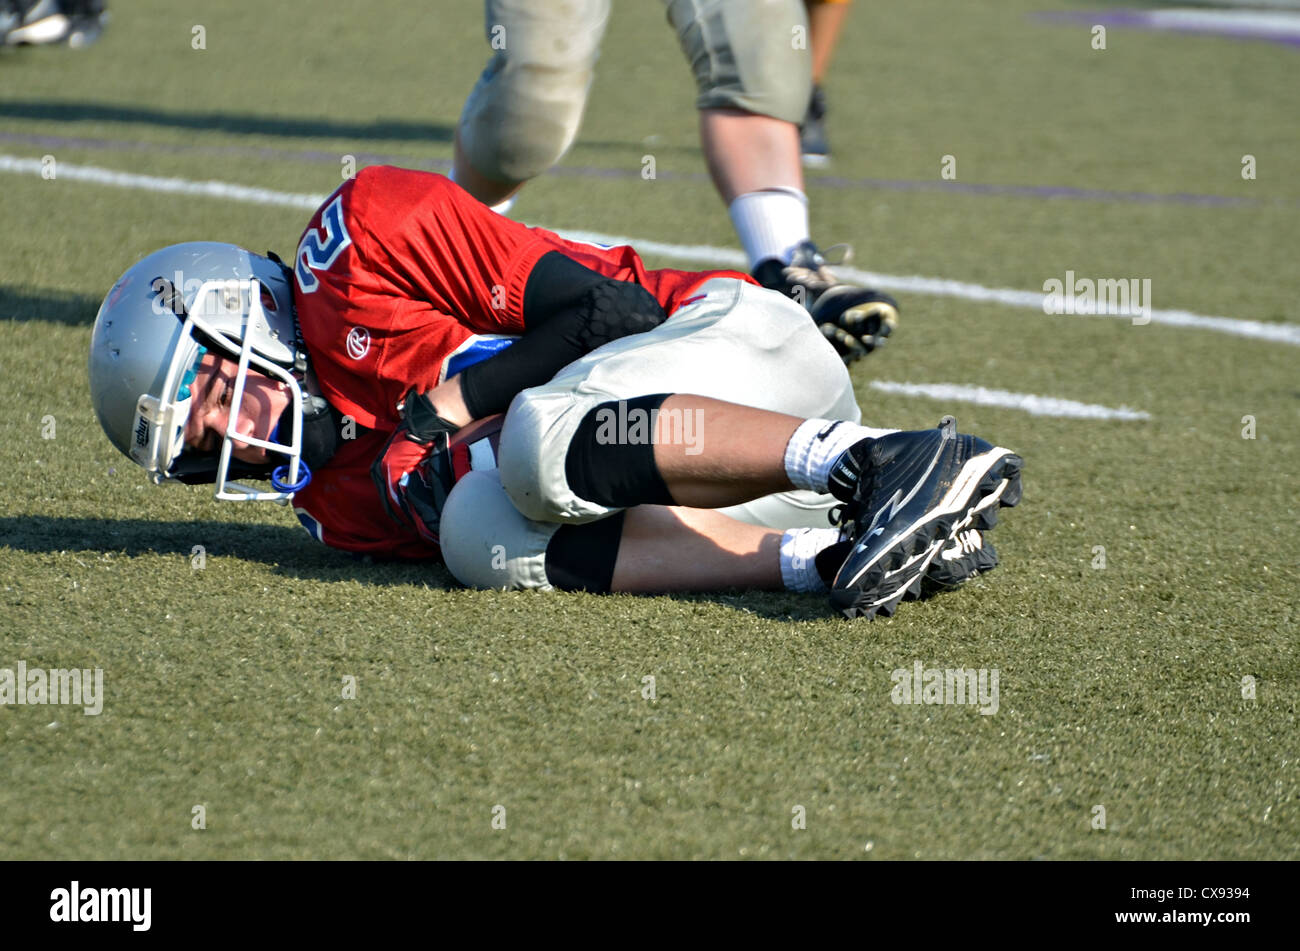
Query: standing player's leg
753	78
753	73
523	113
825	21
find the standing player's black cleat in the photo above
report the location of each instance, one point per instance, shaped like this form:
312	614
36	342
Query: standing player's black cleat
856	320
813	145
916	507
76	23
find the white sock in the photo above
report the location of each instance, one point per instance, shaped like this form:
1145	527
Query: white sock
816	444
770	223
799	550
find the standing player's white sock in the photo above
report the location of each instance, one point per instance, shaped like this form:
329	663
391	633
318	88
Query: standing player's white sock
770	222
816	444
799	550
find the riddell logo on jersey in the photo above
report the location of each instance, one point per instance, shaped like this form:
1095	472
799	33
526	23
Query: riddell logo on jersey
358	342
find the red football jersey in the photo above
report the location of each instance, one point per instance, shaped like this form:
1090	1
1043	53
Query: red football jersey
401	279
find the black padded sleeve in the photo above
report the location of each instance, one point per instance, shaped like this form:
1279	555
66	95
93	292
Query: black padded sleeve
569	310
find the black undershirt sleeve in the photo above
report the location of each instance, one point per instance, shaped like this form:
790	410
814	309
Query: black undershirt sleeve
569	310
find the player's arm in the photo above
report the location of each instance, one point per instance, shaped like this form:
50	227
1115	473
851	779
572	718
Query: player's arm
568	310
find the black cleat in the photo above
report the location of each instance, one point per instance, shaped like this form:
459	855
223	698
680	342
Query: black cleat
76	23
11	17
967	554
910	498
813	145
856	320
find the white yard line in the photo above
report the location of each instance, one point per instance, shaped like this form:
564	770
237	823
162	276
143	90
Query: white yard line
1279	24
64	171
698	254
1030	403
942	287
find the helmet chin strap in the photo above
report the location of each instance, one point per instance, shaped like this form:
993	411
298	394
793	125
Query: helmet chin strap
321	436
280	474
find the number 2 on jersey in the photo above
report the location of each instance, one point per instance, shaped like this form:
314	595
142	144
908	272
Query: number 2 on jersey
317	255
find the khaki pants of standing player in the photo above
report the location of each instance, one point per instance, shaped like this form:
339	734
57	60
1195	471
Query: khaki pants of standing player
738	343
523	113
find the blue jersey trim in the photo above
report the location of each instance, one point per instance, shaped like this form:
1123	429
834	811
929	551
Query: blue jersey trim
474	350
314	528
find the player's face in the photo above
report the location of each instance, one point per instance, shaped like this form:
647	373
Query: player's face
260	409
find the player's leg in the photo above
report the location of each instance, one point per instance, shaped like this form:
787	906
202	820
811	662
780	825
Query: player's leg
910	497
523	113
734	372
736	343
753	77
647	549
681	549
826	22
751	154
696	451
916	505
753	72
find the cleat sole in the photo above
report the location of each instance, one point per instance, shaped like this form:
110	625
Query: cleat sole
914	566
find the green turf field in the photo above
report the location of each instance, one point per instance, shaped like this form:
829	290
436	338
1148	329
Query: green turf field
1120	686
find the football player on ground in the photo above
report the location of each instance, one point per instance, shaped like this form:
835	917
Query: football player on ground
663	430
752	68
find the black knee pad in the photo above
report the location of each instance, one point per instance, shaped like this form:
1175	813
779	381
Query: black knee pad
611	460
582	557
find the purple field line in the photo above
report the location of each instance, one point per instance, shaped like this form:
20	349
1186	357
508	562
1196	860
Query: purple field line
578	171
1142	20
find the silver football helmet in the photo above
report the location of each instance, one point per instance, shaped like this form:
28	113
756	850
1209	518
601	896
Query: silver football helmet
150	334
